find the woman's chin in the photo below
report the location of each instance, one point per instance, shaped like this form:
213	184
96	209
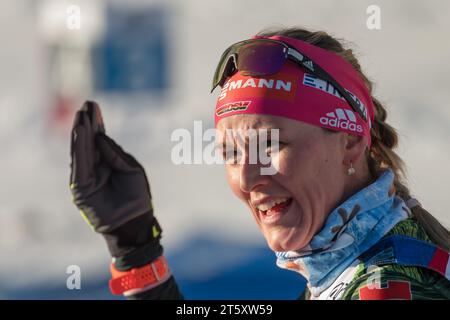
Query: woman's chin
282	241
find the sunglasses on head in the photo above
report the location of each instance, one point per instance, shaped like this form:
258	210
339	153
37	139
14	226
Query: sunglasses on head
263	57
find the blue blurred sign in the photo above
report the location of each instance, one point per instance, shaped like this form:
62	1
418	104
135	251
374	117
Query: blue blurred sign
133	54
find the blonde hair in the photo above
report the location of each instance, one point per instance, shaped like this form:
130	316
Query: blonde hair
384	137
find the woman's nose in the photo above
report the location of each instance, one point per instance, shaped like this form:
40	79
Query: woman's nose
250	177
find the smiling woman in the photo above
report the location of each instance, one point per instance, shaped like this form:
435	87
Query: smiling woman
306	191
336	210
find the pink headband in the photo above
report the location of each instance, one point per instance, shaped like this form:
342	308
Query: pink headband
293	93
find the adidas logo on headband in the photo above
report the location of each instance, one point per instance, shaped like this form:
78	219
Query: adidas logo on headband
343	119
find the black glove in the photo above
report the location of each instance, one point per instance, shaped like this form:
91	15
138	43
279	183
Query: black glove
112	192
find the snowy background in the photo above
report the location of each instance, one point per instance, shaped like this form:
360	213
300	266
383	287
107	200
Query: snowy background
211	241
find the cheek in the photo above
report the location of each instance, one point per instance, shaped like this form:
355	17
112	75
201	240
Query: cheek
234	181
313	174
309	174
310	160
296	163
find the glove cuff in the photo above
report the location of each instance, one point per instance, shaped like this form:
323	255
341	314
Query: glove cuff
136	242
139	257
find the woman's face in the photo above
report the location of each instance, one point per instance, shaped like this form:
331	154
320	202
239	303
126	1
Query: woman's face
293	204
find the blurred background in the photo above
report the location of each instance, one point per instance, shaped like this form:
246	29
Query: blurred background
149	65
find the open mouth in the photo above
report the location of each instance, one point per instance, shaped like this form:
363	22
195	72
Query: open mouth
271	212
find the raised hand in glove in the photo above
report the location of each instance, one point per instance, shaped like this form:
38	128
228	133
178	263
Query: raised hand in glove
111	190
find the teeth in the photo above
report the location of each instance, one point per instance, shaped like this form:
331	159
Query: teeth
270	204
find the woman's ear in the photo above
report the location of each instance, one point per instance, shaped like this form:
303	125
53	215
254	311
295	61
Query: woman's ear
354	147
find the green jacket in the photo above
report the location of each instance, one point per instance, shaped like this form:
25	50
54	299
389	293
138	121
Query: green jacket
383	281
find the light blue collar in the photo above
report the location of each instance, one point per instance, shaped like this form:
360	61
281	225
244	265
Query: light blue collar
350	229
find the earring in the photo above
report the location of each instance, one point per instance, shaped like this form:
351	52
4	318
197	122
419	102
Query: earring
351	171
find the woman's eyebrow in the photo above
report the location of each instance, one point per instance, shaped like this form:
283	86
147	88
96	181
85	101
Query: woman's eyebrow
268	129
271	129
